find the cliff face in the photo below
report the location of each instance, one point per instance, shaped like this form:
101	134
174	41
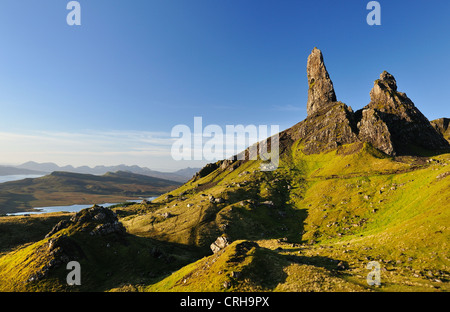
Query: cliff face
390	122
442	126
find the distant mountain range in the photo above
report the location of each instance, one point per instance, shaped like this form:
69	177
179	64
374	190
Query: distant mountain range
32	167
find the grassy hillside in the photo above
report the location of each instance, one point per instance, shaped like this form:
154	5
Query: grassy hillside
245	266
312	225
353	204
64	188
109	257
19	230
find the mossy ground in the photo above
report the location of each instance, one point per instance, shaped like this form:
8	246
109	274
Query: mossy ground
348	206
352	205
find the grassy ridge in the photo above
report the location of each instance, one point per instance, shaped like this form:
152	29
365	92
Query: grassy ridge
312	225
394	211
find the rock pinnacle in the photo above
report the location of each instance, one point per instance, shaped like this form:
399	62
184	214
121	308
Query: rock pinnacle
321	91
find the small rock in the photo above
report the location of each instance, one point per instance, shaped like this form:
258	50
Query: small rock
219	200
235	274
268	203
341	266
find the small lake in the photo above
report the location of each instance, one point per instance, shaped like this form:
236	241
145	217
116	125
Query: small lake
16	177
72	208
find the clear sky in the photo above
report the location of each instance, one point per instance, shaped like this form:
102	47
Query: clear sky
110	91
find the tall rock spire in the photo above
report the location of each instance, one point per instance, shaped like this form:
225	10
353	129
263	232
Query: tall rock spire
390	122
321	91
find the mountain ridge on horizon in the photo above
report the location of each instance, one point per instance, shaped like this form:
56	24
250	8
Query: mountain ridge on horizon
32	167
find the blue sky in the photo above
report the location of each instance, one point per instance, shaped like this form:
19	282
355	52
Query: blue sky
110	91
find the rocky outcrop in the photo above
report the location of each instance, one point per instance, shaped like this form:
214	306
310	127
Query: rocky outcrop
374	130
205	171
393	124
326	129
61	247
390	122
442	126
321	91
96	220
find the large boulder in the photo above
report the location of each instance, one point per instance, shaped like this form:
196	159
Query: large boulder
220	243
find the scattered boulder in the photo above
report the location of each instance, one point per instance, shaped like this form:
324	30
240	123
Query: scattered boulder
342	266
220	243
443	175
268	203
219	200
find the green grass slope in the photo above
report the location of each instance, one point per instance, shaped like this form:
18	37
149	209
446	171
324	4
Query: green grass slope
109	257
313	224
245	266
350	205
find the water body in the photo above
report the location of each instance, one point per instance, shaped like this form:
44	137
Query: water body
72	208
16	177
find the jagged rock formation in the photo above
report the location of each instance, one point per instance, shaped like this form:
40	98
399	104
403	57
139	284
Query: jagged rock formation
321	91
390	122
97	220
327	128
61	248
393	124
442	126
